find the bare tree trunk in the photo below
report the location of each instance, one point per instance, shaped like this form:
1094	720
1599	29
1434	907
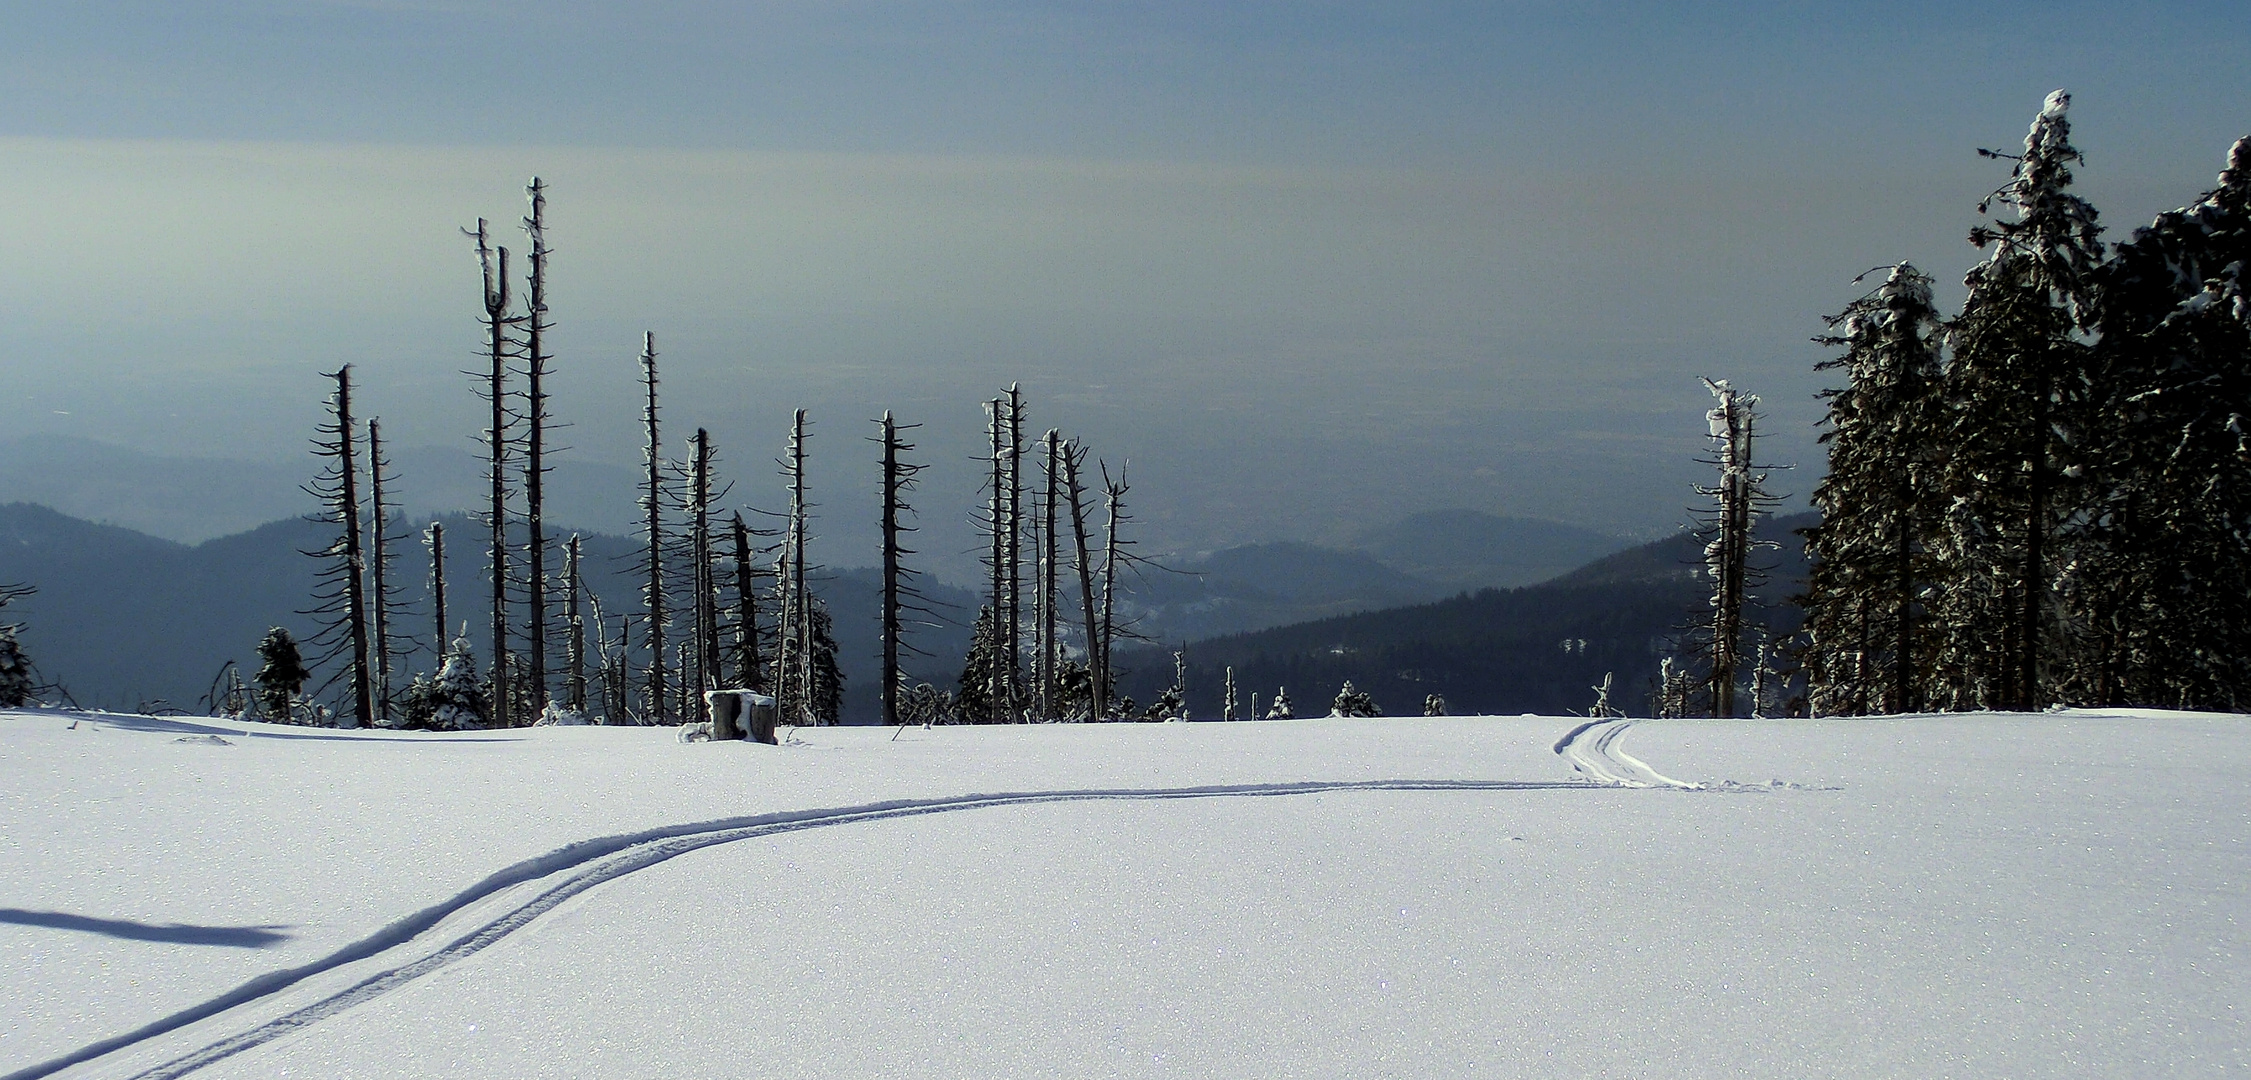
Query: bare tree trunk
497	323
996	513
652	505
378	566
1114	498
1012	638
706	599
891	491
747	673
436	538
801	610
1073	456
1046	644
574	684
355	558
535	467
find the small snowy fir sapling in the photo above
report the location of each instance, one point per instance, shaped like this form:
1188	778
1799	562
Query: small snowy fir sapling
1281	709
457	696
1434	705
15	671
1351	702
1227	708
281	674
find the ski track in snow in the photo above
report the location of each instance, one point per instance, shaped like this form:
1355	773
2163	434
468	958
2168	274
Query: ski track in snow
1592	750
434	938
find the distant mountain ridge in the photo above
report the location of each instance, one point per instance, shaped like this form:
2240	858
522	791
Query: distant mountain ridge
1539	648
123	618
1471	549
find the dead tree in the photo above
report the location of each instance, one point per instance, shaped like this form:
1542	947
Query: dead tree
536	359
1074	455
1739	496
1012	650
498	324
793	660
574	644
705	604
653	600
996	572
435	537
340	599
378	568
748	672
1114	492
1044	639
899	592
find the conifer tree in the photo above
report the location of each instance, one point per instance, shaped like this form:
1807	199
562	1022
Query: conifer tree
16	684
2159	592
1870	553
2018	383
456	698
973	694
281	675
1354	703
824	677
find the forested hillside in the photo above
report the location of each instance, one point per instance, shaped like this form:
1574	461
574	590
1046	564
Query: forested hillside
1541	648
123	620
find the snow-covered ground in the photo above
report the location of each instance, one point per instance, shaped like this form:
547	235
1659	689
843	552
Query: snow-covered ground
1975	896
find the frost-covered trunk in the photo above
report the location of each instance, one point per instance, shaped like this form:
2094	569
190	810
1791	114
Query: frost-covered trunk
497	324
1739	495
1098	690
536	360
656	613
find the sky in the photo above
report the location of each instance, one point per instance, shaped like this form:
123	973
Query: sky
1302	268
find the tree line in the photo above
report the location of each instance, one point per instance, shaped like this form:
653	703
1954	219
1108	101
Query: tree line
730	596
2044	499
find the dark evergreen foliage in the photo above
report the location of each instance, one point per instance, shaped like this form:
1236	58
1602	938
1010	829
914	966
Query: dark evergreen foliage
1352	702
1871	553
281	675
2063	514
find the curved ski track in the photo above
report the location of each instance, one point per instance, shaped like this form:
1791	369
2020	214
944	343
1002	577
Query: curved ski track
507	901
1592	749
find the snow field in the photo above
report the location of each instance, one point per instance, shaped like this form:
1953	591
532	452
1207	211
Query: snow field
1929	897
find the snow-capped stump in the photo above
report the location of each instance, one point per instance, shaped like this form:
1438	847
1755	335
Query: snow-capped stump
741	714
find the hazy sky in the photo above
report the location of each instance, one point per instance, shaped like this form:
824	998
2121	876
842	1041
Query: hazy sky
1308	266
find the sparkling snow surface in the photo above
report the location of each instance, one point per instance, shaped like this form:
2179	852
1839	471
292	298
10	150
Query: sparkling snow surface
2063	895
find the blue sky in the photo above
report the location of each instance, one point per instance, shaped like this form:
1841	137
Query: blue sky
1310	266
